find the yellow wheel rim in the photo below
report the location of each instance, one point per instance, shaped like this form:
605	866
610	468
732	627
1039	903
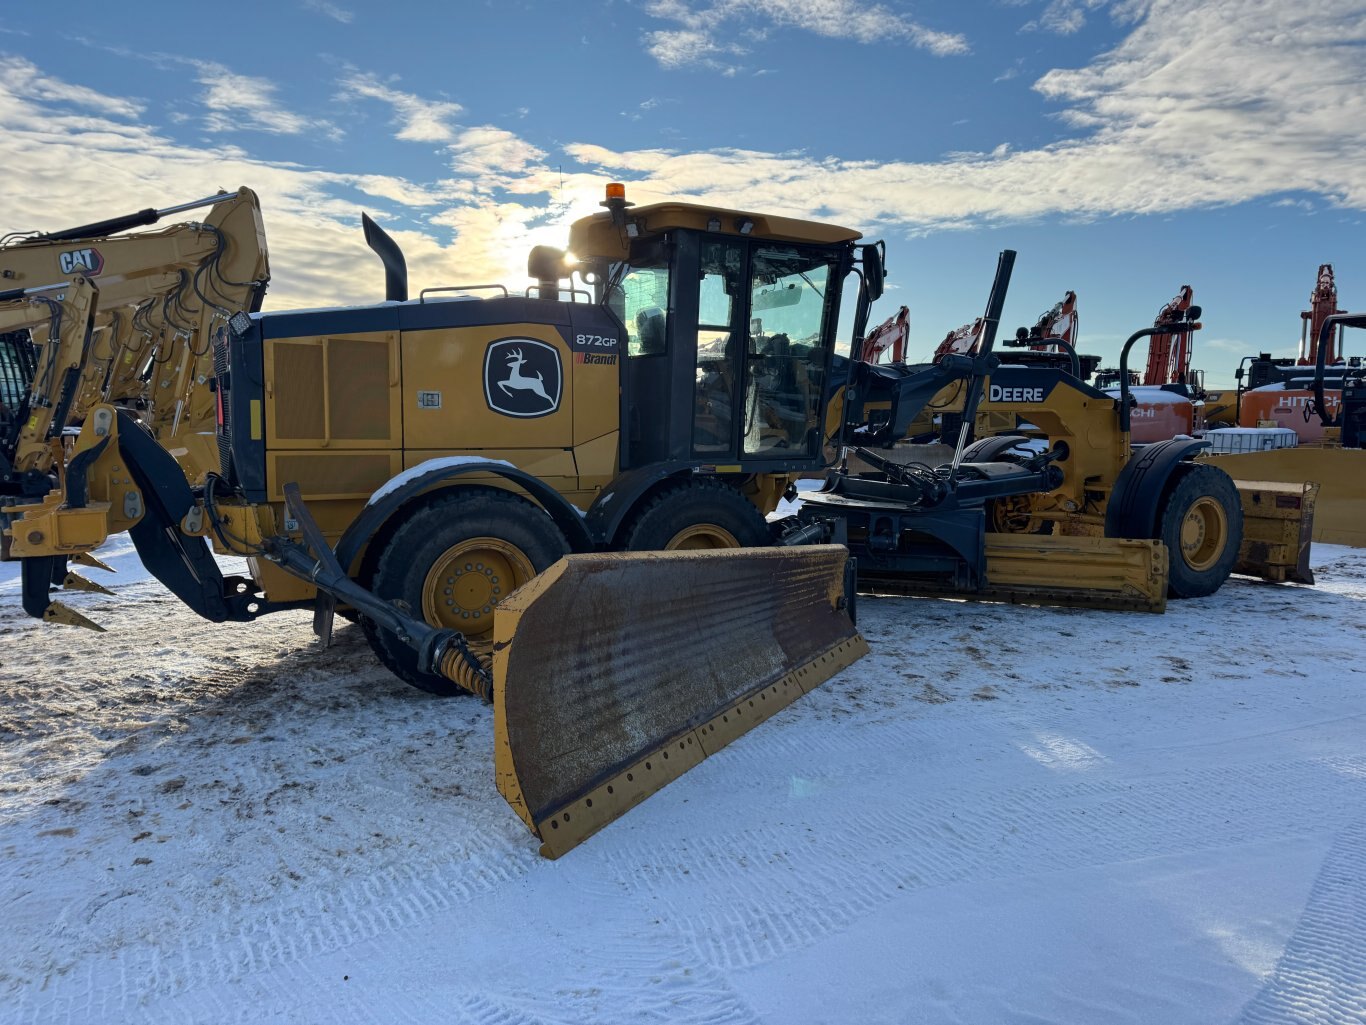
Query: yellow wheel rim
1012	515
469	579
1204	533
701	536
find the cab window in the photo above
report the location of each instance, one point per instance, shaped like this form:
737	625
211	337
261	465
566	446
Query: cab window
639	295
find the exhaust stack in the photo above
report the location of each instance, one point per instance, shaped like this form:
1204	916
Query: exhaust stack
395	266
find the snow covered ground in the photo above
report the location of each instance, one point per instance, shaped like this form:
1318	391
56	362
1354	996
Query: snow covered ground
1001	815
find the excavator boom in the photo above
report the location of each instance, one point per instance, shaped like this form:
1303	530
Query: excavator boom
163	293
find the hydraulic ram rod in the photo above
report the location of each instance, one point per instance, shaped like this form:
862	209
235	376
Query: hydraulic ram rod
135	220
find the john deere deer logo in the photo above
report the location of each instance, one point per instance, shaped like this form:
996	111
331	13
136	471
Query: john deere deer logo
522	377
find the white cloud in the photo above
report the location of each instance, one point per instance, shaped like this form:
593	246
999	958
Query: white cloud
237	102
1063	17
707	35
329	10
1269	102
22	78
680	48
68	168
1268	105
419	120
493	154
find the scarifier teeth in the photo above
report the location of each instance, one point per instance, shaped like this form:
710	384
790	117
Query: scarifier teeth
57	612
76	582
87	559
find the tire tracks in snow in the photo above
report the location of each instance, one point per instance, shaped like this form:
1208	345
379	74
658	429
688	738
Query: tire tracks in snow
1321	975
832	868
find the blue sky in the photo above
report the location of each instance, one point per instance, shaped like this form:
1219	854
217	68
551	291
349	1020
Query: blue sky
1124	149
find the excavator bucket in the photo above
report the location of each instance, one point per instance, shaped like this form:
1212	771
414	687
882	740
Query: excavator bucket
1278	521
614	674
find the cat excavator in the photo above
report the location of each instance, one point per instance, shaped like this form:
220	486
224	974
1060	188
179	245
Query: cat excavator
161	296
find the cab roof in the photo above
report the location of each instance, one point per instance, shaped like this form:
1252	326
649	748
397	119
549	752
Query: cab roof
595	235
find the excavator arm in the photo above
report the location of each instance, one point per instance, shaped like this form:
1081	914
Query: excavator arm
1169	352
163	293
62	315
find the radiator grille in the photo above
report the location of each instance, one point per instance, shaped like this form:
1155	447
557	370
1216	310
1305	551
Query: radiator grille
357	389
298	395
333	474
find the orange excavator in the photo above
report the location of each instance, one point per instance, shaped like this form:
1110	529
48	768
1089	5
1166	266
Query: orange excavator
1168	400
886	343
1279	392
1056	324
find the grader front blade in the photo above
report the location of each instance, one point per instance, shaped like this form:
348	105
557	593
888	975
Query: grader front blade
614	674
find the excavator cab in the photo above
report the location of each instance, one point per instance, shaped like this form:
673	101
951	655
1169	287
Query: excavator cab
18	360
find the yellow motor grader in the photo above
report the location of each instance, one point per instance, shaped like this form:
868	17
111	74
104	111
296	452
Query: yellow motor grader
1202	522
453	450
558	500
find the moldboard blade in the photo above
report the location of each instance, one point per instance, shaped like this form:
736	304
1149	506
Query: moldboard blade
617	673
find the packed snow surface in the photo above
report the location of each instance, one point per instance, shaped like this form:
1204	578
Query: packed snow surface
1003	814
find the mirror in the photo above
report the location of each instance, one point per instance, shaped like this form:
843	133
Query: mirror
777	297
873	273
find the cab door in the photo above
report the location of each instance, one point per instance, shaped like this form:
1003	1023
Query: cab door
790	337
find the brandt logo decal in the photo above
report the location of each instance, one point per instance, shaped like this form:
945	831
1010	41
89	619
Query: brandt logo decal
522	377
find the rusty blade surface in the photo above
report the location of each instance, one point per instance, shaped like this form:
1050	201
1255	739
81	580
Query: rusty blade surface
610	669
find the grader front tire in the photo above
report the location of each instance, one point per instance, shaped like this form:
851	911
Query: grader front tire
1201	524
452	561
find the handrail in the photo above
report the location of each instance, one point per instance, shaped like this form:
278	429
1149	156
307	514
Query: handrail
422	296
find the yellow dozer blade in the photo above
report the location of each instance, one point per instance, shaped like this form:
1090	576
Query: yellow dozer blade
1340	509
1031	569
1278	520
614	674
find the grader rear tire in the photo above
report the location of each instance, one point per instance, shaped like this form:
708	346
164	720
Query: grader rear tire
1201	523
452	561
697	514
